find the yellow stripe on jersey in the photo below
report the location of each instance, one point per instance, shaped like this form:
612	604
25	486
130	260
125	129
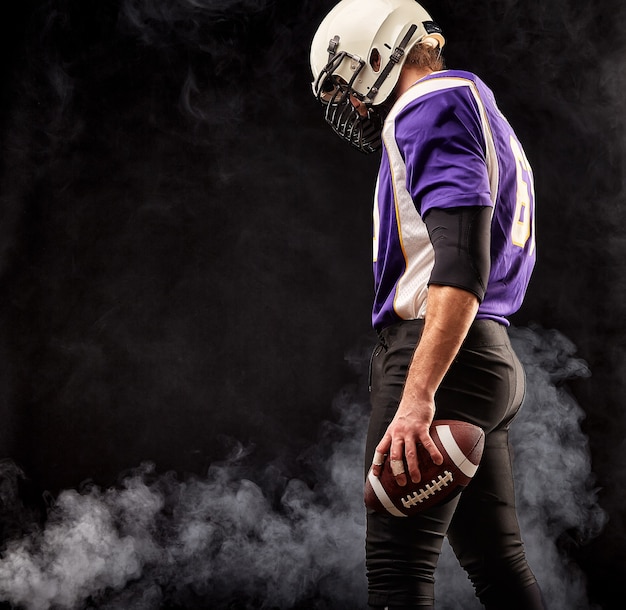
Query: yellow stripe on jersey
412	287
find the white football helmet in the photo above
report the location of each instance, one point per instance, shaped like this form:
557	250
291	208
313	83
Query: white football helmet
359	50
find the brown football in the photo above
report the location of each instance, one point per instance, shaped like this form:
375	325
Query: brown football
461	445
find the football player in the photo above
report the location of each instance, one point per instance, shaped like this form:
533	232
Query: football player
454	249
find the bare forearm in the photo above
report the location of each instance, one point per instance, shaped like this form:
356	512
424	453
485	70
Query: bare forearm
449	315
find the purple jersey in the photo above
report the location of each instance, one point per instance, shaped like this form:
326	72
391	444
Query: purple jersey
446	144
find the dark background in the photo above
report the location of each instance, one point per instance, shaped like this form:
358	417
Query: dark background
185	254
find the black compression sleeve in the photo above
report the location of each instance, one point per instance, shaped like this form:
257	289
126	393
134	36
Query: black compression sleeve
461	239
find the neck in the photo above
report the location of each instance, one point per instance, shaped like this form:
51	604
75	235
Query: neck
410	75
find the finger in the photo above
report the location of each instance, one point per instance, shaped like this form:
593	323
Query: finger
379	458
412	462
396	461
381	450
397	468
431	448
377	462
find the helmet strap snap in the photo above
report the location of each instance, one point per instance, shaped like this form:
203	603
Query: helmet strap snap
394	59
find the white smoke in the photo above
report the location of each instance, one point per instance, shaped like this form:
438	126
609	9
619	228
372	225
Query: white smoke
213	540
556	498
230	541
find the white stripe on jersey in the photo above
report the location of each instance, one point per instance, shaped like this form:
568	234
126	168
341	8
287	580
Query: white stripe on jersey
412	287
376	223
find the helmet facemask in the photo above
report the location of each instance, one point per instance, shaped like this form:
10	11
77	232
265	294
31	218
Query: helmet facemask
334	93
357	54
363	131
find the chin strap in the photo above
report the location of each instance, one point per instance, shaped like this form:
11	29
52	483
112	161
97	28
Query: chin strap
364	133
396	56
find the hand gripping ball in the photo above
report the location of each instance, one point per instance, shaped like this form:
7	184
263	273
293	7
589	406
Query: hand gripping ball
461	445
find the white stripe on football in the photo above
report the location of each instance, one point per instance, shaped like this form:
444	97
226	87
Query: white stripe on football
454	451
461	445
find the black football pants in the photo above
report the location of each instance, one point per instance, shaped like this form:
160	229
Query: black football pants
485	386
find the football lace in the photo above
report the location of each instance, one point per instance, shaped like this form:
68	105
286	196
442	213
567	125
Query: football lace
430	489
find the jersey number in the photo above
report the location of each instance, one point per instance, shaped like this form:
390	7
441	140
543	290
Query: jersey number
522	228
